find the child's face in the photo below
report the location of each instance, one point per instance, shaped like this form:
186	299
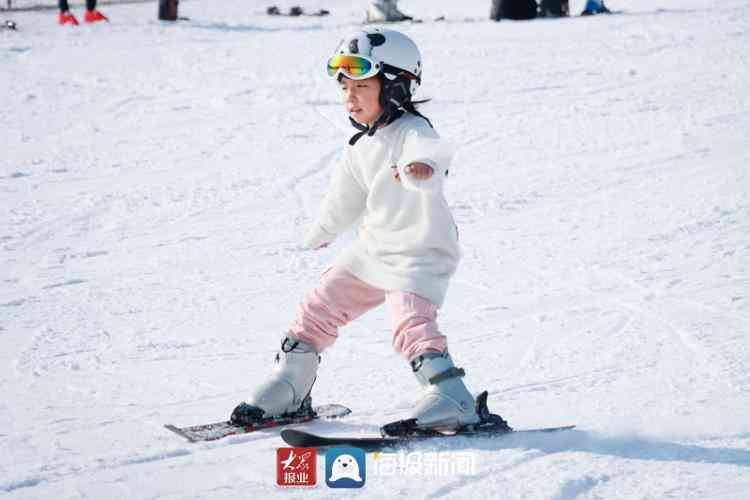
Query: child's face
361	99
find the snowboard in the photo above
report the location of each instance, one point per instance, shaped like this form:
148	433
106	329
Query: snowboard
302	439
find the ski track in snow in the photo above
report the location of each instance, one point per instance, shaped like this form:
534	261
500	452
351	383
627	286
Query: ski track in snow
157	181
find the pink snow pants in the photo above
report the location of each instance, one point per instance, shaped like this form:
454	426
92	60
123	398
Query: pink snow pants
342	297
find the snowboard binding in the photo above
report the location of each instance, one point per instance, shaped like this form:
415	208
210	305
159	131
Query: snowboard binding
245	414
489	422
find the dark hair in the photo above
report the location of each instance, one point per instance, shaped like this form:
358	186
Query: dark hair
404	99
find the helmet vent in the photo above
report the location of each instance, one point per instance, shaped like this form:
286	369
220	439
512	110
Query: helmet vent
376	39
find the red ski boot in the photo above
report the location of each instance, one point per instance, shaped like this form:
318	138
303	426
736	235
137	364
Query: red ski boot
94	16
67	18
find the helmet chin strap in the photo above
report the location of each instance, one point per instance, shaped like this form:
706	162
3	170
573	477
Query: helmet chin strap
387	117
390	115
395	99
363	129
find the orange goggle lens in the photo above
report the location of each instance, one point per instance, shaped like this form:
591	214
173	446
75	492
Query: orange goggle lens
356	67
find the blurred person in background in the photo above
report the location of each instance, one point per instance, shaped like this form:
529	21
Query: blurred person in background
92	15
595	7
385	11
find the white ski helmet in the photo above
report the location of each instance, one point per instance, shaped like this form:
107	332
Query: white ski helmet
380	51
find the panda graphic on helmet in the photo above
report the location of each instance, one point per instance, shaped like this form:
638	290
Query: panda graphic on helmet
374	39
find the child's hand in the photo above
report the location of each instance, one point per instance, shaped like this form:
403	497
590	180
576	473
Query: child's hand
418	171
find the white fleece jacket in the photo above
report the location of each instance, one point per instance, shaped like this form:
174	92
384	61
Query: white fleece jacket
407	239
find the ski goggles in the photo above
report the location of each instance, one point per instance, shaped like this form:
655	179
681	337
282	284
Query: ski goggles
354	67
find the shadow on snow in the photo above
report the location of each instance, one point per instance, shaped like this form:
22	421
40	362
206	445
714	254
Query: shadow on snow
629	447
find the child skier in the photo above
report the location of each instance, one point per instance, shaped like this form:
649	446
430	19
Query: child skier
391	175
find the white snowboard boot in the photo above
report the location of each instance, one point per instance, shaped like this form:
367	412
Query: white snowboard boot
385	11
446	402
287	390
446	405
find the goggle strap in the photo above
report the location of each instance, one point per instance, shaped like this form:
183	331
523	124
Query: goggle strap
392	70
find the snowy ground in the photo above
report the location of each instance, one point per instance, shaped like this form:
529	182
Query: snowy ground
155	181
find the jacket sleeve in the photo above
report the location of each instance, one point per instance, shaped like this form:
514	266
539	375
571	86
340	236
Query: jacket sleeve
343	203
423	145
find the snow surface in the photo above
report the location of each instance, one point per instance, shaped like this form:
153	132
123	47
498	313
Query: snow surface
155	181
